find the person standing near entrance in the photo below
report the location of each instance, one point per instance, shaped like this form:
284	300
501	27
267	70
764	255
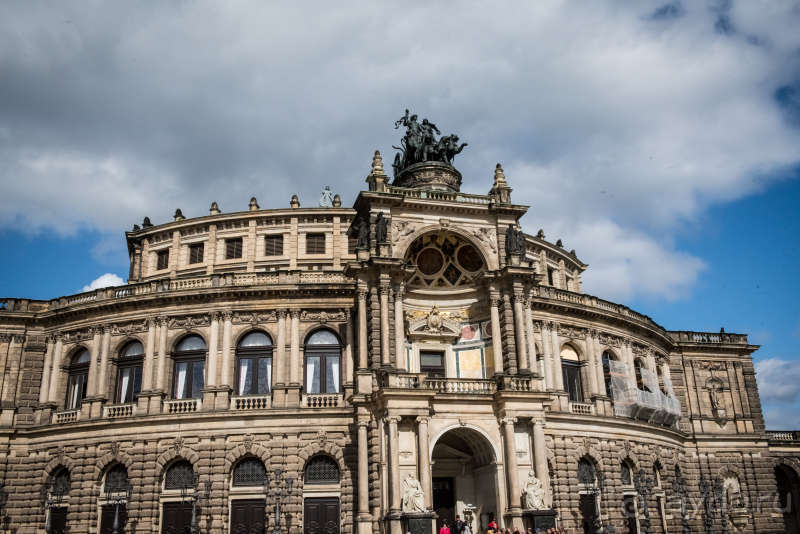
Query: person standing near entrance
493	526
445	529
459	526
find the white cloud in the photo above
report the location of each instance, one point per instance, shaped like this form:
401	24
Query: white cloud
617	129
778	380
104	280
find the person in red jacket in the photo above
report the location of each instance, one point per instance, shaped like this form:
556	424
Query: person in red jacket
492	525
445	529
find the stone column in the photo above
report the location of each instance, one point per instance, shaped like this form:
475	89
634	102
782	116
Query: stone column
294	354
394	464
540	459
55	372
161	374
519	334
104	353
149	352
347	368
362	329
598	360
280	351
213	350
529	335
364	517
44	387
386	355
227	317
497	343
512	475
425	477
548	356
667	377
92	388
558	377
399	328
591	360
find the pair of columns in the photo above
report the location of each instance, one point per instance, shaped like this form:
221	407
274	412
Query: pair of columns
523	333
512	469
385	333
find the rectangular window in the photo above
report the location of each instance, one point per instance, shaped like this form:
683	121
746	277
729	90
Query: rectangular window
322	373
233	248
432	363
550	277
76	390
572	381
196	253
188	379
315	243
255	376
129	383
162	259
273	245
351	244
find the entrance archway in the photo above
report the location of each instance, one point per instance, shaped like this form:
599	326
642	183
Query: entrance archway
464	475
789	493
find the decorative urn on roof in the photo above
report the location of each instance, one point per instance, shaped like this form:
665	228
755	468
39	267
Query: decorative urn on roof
425	162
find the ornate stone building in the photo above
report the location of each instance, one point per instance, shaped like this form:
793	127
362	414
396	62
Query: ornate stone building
367	367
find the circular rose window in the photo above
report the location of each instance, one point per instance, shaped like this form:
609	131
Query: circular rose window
469	258
430	261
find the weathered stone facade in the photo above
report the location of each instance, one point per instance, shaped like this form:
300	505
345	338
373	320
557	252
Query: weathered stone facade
449	363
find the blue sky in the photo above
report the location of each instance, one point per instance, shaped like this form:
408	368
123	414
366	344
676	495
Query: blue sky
661	140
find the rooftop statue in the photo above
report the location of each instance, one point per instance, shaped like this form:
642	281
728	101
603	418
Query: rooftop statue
420	144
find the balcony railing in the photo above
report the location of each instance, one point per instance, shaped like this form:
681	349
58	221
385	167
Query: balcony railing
783	435
178	406
581	408
322	400
709	337
115	411
460	385
251	402
66	416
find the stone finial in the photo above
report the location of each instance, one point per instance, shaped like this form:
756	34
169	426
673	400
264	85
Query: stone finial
146	223
377	163
294	202
178	215
337	201
573	252
377	177
540	233
500	189
214	210
136	227
559	243
253	205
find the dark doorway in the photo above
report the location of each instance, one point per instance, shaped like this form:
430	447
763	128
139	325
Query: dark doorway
107	518
629	509
444	501
247	516
588	507
58	520
321	516
789	494
177	518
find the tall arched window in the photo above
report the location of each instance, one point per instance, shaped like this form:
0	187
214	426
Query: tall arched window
608	356
78	377
626	473
129	372
249	472
190	358
180	475
254	364
321	469
637	368
115	487
587	474
571	369
116	479
323	355
57	490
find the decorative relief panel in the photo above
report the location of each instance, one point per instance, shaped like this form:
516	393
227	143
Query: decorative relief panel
571	332
488	237
323	316
126	329
190	321
254	317
75	336
610	341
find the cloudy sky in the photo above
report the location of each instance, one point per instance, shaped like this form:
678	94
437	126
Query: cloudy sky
660	140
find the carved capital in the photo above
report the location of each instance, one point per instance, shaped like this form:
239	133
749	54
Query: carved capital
215	315
495	300
295	313
392	420
364	424
423	419
282	313
508	420
163	321
227	315
18	339
151	322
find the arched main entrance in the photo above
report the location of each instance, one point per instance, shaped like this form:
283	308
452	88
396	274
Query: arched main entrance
465	476
789	493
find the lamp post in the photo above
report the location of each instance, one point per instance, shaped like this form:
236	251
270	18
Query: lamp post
116	494
51	496
705	493
281	487
644	486
597	492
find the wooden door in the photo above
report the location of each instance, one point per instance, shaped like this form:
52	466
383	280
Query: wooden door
629	506
247	516
176	518
107	518
588	506
321	516
444	501
58	520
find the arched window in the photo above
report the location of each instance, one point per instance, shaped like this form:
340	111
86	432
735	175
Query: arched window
78	377
626	474
323	355
116	479
61	482
587	474
188	378
657	475
321	470
180	475
129	372
607	357
637	368
571	369
254	364
660	375
249	472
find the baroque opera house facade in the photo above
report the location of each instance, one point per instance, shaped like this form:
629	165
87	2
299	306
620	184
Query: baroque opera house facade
376	368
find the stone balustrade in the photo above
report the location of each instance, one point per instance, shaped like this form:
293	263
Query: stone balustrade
460	385
179	406
581	408
323	400
251	402
66	416
116	411
783	435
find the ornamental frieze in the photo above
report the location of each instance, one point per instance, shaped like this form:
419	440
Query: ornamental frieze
126	329
254	317
75	336
190	321
572	332
323	316
711	366
610	341
401	229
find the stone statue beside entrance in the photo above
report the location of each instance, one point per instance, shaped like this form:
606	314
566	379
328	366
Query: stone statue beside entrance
533	493
413	498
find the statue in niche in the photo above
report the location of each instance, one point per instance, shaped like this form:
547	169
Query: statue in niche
515	241
715	395
533	493
381	227
361	231
413	498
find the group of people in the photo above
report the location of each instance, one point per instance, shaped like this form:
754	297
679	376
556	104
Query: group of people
463	527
